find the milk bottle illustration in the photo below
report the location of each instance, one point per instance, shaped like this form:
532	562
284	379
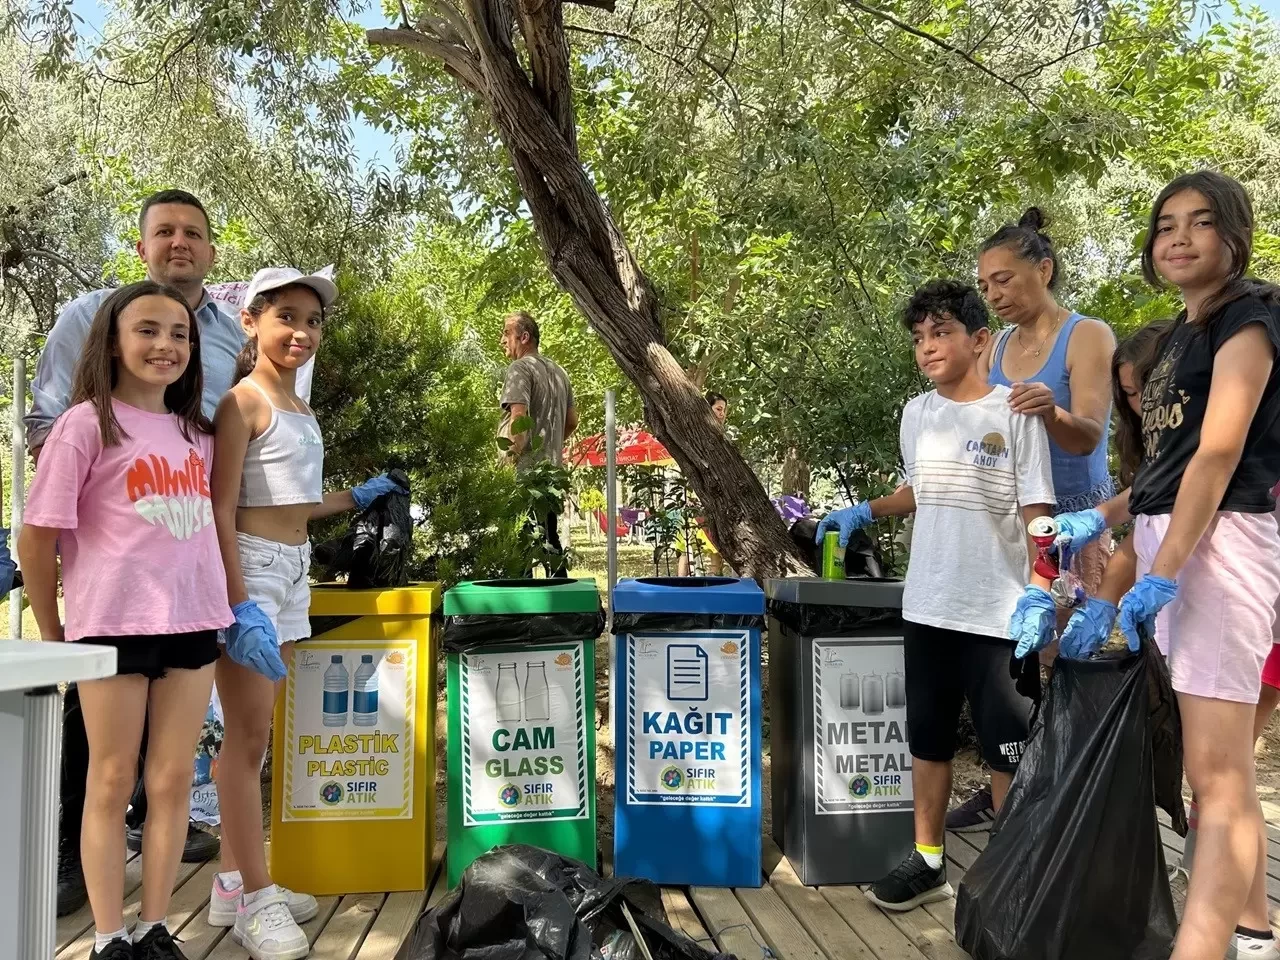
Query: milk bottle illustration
507	693
848	691
873	694
336	680
537	695
364	706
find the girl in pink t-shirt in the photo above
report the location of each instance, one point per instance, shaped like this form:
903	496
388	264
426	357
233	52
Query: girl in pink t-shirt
122	488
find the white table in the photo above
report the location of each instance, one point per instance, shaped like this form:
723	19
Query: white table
30	762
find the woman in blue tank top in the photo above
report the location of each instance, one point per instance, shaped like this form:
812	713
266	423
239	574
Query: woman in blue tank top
1058	365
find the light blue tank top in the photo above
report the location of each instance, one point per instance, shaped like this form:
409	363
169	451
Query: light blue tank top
1079	482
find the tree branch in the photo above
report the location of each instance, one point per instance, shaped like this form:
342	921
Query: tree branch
458	61
1078	50
66	264
542	23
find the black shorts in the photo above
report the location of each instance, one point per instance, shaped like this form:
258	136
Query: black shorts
152	655
946	667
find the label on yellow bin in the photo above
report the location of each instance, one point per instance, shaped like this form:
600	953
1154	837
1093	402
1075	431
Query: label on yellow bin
524	735
348	729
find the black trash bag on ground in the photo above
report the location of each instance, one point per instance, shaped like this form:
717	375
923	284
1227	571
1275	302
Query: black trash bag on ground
524	903
1074	867
377	547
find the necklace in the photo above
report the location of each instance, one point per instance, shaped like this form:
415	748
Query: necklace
1045	339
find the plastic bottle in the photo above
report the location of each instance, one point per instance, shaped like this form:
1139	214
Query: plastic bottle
336	681
364	706
507	694
537	695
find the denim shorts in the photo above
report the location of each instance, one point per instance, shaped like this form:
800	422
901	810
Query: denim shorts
275	577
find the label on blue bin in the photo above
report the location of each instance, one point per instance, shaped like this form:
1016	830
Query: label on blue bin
862	763
688	707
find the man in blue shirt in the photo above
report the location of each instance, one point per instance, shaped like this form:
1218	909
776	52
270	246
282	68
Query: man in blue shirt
176	244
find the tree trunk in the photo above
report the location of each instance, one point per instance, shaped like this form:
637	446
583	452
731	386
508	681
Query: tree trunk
589	257
795	475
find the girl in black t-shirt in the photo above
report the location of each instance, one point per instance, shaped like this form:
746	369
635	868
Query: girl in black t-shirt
1208	550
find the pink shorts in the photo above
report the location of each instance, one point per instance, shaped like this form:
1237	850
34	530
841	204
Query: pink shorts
1218	632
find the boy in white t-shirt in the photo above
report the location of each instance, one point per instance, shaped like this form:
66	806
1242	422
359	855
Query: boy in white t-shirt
975	474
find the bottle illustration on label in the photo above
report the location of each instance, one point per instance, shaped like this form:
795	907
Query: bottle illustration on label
873	694
364	705
507	693
336	680
895	691
848	691
537	695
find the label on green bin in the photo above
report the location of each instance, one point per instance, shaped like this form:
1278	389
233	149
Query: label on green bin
348	730
689	710
524	735
862	763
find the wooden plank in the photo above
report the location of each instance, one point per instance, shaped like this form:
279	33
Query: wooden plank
832	935
399	915
960	853
82	946
191	898
73	924
726	921
226	948
345	932
682	917
783	933
944	913
875	929
929	936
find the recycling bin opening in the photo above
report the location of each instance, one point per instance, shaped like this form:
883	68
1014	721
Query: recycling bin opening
687	581
523	582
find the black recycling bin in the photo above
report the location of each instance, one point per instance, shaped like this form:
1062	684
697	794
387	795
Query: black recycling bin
841	766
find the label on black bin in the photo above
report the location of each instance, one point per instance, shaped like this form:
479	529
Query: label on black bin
862	763
688	708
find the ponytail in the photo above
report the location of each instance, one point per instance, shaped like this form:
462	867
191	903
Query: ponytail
246	360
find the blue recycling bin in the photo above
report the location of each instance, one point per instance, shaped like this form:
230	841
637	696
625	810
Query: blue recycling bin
687	731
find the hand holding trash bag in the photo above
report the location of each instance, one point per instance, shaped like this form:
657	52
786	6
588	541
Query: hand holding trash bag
1088	629
1075	530
1140	605
1033	620
846	521
252	641
372	489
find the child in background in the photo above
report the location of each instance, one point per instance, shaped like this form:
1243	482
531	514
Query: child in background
976	473
1206	540
123	487
267	486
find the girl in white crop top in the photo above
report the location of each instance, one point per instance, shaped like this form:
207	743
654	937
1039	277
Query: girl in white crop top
267	485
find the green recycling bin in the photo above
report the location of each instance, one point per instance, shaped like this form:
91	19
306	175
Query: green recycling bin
522	746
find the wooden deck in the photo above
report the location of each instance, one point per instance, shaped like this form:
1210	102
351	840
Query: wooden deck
782	919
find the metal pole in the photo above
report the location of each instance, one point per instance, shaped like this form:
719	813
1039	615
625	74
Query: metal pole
611	493
18	479
42	745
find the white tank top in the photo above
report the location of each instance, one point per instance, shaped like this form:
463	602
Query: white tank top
284	465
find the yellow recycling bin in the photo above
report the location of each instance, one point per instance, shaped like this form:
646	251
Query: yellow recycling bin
353	750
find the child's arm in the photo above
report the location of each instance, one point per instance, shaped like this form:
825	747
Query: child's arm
357	498
38	551
333	503
233	429
900	503
1241	369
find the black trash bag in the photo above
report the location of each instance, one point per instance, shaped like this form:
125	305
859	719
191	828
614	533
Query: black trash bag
463	632
524	903
816	619
1074	866
378	545
861	557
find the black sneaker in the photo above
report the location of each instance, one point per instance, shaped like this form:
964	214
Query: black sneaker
912	883
158	944
200	846
115	950
974	815
71	891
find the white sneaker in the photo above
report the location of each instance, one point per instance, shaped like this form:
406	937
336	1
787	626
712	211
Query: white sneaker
268	931
1247	948
224	903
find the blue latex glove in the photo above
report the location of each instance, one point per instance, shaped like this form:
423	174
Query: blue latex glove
252	641
1088	629
1033	620
1141	604
7	566
846	521
1077	529
371	490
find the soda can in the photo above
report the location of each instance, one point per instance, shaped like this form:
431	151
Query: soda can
832	556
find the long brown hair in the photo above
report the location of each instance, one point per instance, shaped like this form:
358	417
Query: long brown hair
247	358
1141	348
96	373
1232	222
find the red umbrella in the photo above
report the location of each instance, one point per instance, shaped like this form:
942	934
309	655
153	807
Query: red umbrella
635	446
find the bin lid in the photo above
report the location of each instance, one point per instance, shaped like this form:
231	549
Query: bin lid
876	592
336	600
529	595
688	595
